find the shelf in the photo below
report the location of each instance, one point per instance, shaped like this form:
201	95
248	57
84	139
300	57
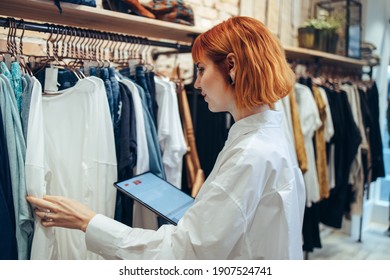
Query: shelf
97	19
109	21
323	57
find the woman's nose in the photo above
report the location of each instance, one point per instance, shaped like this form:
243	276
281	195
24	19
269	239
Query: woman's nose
197	83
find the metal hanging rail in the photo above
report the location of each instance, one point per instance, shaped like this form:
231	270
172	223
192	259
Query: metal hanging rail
81	32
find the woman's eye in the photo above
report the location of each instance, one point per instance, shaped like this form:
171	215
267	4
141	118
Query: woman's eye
200	70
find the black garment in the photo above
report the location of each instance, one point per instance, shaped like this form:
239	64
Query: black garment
66	78
367	123
211	132
346	140
126	154
310	229
377	164
8	246
152	89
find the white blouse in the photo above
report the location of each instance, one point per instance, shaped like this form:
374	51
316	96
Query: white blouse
250	207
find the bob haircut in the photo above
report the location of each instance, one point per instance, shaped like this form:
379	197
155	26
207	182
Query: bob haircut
262	74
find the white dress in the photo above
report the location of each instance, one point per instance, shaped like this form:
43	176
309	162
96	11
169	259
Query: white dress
79	162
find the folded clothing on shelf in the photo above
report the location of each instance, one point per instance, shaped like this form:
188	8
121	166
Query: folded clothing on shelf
171	10
91	3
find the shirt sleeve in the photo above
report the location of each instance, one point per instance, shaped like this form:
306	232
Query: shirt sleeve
209	230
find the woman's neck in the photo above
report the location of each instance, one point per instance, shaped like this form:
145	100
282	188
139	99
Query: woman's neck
243	113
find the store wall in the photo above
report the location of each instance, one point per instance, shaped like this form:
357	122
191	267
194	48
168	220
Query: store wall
282	17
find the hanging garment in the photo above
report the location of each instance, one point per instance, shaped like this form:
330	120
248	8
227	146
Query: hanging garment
329	129
142	217
16	154
329	132
250	207
293	129
377	163
152	88
126	148
80	161
356	175
26	100
320	145
105	76
17	84
8	246
311	229
142	146
310	122
195	174
204	125
141	80
170	131
44	244
366	155
298	135
155	160
115	94
346	140
283	106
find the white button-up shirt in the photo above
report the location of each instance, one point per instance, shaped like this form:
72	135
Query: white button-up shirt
250	207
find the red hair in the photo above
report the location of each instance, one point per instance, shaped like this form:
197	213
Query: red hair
263	75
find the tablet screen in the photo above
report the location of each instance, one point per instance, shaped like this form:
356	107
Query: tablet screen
158	195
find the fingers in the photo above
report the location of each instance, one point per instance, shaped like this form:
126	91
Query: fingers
45	215
42	203
52	198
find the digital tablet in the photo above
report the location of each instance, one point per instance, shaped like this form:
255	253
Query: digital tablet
158	195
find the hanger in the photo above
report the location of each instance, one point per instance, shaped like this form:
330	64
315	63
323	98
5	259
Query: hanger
78	54
48	59
8	56
22	62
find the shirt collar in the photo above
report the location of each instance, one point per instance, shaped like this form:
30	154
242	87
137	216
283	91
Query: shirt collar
266	118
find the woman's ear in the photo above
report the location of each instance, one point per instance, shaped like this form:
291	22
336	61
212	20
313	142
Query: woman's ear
231	61
232	65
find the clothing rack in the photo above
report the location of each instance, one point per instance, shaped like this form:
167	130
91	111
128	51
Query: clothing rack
82	32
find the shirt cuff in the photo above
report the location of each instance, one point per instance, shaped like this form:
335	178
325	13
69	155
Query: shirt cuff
102	235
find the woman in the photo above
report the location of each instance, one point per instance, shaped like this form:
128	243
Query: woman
251	205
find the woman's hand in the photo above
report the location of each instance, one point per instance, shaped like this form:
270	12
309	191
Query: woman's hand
61	212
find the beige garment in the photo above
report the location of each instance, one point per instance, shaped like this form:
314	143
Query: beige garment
298	135
195	174
321	162
357	169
